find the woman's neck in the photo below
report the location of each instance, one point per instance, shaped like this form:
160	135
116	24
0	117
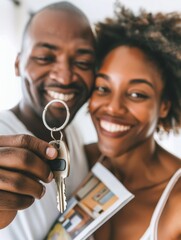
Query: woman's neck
133	168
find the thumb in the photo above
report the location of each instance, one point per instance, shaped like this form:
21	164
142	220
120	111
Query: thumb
34	144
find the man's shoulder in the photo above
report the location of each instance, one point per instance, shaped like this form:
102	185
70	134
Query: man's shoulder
7	122
10	124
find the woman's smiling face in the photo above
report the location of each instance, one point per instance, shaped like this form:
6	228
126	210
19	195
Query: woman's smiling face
126	102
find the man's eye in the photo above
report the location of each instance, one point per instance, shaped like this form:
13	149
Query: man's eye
84	65
44	59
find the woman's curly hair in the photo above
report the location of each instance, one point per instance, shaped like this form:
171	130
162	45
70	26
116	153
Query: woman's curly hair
159	36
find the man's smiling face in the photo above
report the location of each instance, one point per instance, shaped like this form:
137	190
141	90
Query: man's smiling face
57	62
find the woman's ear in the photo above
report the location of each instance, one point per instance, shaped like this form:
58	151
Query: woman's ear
17	63
164	108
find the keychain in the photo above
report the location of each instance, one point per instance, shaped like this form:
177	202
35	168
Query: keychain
61	165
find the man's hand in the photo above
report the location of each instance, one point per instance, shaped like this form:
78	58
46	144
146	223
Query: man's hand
23	163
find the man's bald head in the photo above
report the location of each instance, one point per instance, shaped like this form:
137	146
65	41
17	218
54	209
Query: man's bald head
62	6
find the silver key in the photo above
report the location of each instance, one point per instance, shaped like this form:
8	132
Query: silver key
60	168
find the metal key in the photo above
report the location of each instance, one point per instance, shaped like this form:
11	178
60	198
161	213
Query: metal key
60	168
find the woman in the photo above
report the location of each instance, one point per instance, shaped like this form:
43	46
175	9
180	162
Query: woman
137	93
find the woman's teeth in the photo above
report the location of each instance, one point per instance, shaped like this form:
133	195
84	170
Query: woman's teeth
61	96
113	127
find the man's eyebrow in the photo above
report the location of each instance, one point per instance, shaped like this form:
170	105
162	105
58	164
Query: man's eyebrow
142	81
86	51
53	47
46	45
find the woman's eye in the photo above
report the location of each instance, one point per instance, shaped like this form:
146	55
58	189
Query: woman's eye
138	96
101	89
84	65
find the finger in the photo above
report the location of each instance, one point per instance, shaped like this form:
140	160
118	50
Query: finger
26	161
12	201
38	146
21	184
6	217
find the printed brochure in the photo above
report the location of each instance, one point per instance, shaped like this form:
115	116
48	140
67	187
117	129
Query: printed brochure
98	198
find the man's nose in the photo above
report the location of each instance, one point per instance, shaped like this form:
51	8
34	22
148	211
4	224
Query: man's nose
61	71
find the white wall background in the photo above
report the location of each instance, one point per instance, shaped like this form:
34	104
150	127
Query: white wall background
13	19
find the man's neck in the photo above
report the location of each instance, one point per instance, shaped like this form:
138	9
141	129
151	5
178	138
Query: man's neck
34	124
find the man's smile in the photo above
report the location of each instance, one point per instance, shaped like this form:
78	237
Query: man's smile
61	96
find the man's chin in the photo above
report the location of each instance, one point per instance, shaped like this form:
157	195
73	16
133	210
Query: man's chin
56	113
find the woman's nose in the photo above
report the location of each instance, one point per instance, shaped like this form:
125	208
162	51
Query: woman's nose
61	71
116	105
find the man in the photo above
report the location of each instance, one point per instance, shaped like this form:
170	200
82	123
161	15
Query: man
56	62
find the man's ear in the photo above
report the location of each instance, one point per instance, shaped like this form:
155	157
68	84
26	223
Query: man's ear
164	108
17	63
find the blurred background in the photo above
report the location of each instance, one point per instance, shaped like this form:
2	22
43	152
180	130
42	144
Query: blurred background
13	16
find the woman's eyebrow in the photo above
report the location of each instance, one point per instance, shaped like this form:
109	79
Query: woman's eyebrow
139	80
133	81
102	75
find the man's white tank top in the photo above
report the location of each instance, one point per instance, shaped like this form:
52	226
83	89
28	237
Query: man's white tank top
34	222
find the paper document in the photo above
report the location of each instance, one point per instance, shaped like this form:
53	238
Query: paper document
98	198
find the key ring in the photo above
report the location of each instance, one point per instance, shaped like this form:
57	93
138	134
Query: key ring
54	129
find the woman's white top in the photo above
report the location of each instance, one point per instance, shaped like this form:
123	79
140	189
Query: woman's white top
151	233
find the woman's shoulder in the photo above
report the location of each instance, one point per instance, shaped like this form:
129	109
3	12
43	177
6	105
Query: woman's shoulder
92	152
170	161
175	196
172	210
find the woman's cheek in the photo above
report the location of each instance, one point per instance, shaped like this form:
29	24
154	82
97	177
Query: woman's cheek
92	104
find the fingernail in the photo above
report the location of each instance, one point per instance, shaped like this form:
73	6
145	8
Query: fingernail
51	152
43	192
50	177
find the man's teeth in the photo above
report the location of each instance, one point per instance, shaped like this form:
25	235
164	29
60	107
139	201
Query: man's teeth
61	96
113	127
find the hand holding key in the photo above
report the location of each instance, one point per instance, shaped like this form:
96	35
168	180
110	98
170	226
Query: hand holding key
23	163
61	165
